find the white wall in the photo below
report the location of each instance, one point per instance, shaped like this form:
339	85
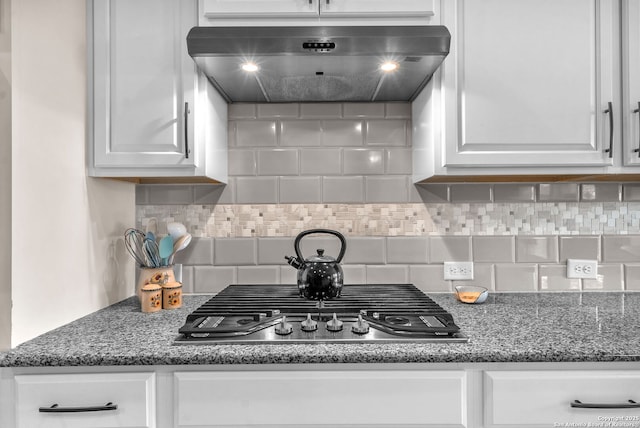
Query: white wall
68	257
5	175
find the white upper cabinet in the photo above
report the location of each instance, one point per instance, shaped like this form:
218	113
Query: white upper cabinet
532	87
631	81
529	82
154	115
313	12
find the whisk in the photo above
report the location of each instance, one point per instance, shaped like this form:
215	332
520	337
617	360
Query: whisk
134	240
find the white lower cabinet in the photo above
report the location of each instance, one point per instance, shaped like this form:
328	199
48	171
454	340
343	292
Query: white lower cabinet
98	400
387	398
543	398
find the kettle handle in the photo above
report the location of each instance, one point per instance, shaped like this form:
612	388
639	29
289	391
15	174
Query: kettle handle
343	242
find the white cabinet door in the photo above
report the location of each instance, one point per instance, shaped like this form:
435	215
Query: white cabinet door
543	398
321	399
100	400
259	8
376	8
528	83
631	81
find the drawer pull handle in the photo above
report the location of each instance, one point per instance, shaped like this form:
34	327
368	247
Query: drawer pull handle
628	405
57	409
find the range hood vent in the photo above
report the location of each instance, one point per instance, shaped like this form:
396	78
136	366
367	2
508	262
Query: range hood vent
319	64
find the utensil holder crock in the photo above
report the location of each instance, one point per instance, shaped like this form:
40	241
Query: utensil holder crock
160	275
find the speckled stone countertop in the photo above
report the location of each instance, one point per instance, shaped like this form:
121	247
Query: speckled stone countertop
524	327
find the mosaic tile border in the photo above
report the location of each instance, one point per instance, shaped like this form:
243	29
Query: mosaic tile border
466	219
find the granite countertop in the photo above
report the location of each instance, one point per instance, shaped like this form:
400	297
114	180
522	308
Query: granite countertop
509	327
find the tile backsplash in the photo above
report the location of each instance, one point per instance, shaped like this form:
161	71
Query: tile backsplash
347	166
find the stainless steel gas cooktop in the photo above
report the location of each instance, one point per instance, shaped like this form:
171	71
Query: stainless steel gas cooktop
260	314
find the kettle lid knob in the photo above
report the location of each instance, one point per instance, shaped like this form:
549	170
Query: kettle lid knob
320	251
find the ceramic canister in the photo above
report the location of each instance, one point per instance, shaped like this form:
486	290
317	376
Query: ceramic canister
171	295
151	298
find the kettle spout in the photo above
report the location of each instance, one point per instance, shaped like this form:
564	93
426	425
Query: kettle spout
293	261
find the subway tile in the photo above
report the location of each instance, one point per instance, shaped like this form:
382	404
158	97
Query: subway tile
198	252
300	133
231	133
363	161
495	249
386	189
241	111
408	249
632	276
365	250
256	190
234	251
320	110
214	193
320	162
354	274
631	192
536	249
256	133
432	193
387	274
483	276
271	251
449	248
601	192
388	132
169	194
621	248
514	192
558	192
399	110
579	247
297	190
554	278
187	279
610	277
242	162
277	110
516	277
342	133
365	110
398	161
288	275
212	279
277	162
429	278
343	189
258	274
141	194
470	193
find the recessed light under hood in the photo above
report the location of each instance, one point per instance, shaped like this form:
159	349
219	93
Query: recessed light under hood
319	64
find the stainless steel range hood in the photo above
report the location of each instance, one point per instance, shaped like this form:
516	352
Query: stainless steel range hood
318	64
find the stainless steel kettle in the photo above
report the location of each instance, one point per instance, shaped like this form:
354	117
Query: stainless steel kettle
319	277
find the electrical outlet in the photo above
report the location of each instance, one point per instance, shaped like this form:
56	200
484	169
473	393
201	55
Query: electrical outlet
582	268
458	270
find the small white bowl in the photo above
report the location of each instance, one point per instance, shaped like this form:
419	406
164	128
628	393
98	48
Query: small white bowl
471	293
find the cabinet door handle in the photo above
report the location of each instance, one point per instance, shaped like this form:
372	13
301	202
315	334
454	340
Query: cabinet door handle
54	408
609	111
186	130
638	111
629	404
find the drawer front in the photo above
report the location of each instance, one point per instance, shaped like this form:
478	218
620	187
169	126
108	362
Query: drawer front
543	398
132	393
321	398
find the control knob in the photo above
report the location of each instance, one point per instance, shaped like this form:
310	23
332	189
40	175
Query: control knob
361	326
309	324
283	327
334	324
